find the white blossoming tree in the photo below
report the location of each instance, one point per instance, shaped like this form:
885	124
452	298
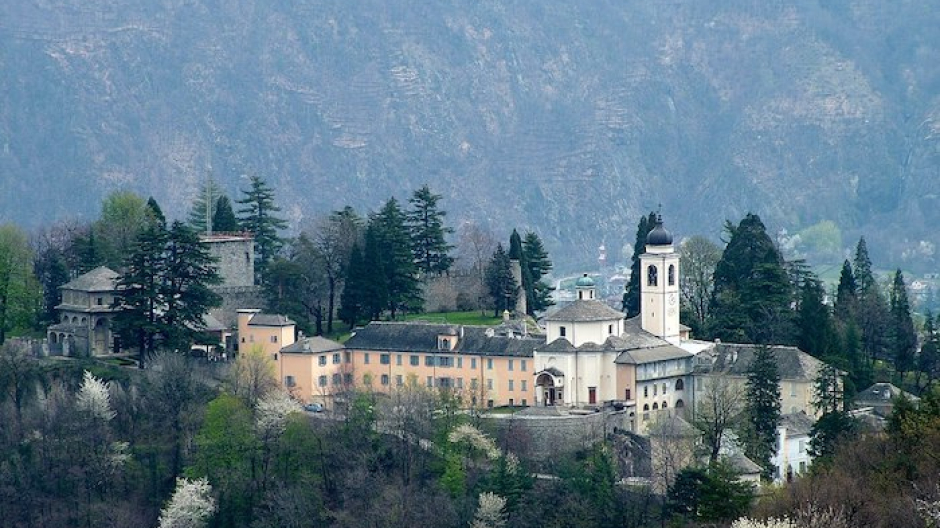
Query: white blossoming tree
94	398
491	512
272	413
190	506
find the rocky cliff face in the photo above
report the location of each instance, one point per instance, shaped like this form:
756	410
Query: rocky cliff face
570	118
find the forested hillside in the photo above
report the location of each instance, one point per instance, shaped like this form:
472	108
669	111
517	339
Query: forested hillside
568	117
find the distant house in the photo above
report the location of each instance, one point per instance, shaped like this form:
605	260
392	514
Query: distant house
797	369
879	399
86	316
793	436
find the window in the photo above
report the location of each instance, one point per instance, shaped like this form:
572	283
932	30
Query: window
680	385
336	359
655	390
275	356
671	274
489	403
398	360
489	384
524	366
274	339
511	385
99	301
610	329
802	467
792	389
680	404
523	385
445	361
444	344
561	331
365	358
322	381
664	388
473	384
385	379
655	406
524	403
512	402
651	276
367	379
347	378
414	360
646	393
511	364
385	359
592	395
289	381
489	363
473	363
459	383
348	357
626	394
430	382
337	379
321	360
428	361
459	362
646	406
665	404
399	381
445	383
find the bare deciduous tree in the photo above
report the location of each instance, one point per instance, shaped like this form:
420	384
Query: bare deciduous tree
717	412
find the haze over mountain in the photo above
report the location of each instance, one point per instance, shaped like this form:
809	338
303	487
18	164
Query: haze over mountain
570	118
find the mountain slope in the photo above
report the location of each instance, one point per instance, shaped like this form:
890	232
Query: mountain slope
566	118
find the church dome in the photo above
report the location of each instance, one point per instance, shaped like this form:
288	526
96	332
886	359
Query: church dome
658	236
585	282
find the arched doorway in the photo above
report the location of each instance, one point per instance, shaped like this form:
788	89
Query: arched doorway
101	337
550	383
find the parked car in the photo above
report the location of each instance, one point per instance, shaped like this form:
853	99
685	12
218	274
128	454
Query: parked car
313	407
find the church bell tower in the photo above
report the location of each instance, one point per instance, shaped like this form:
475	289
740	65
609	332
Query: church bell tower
659	284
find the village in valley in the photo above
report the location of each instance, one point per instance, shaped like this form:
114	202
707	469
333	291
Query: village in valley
695	383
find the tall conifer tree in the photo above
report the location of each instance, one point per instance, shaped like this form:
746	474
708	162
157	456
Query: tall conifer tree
223	219
500	282
538	265
394	243
258	216
425	222
902	333
762	405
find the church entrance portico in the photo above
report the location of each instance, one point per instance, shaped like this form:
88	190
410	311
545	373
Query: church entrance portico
549	385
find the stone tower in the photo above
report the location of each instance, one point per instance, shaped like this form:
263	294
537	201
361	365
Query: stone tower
659	284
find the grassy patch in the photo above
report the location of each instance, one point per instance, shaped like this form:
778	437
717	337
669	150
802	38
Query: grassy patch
472	317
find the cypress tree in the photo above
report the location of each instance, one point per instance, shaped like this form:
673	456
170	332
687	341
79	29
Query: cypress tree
762	405
816	330
864	277
426	225
903	336
538	265
631	295
224	220
500	282
352	299
259	218
928	360
375	287
846	293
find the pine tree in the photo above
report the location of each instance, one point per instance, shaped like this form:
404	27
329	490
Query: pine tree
376	292
538	265
207	197
631	297
871	309
903	336
397	260
190	273
258	217
500	282
762	407
752	293
140	297
223	219
426	226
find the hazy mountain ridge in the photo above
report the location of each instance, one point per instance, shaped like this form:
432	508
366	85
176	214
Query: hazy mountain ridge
552	115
